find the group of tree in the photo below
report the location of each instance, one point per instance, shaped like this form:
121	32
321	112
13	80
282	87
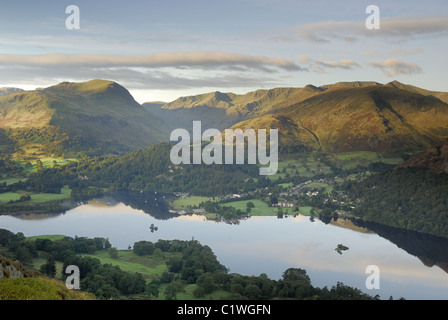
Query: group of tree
407	198
104	280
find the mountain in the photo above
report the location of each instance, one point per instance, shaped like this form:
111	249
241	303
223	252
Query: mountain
223	110
97	116
360	118
433	158
5	91
340	117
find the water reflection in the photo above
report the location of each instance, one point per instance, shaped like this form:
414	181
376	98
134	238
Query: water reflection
431	250
265	244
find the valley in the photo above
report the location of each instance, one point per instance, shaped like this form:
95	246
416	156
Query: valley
349	154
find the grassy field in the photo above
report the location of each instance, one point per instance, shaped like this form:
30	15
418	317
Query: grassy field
260	209
183	203
10	181
350	160
149	266
306	211
52	237
305	167
319	185
36	198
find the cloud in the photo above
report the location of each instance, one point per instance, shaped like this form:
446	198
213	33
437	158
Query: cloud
343	64
401	28
394	67
395	52
198	60
320	66
137	78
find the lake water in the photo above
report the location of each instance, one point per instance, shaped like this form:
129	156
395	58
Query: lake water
410	265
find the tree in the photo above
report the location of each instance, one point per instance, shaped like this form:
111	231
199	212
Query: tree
113	253
173	289
142	248
49	268
39	165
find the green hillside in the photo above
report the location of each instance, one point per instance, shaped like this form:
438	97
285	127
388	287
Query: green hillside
366	118
339	117
97	116
223	110
38	289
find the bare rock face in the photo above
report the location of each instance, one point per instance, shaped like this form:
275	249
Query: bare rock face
11	269
433	158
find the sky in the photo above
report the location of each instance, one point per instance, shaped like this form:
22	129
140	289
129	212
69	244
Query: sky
162	50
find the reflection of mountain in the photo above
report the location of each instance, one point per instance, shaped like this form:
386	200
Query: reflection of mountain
152	203
348	224
429	249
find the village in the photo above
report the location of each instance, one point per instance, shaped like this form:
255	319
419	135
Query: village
293	197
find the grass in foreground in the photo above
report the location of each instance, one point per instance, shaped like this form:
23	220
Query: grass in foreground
39	289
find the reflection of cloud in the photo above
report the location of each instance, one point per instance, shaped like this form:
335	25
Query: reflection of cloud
394	67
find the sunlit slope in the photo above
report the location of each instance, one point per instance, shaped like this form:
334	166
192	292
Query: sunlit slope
99	116
367	118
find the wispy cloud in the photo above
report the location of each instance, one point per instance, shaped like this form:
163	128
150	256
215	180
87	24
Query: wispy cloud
343	64
395	67
198	60
321	66
396	28
178	70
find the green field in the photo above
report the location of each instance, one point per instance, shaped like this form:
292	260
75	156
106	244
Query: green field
260	209
149	266
305	167
319	185
186	202
10	181
350	160
52	237
306	211
36	198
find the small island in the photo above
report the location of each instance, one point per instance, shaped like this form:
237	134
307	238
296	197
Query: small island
340	248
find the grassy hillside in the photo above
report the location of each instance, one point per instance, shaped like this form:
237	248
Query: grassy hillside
340	117
96	116
366	118
39	289
222	110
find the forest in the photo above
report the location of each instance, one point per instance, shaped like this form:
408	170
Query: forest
406	198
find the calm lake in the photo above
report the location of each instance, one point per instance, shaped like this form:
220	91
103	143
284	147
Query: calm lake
411	265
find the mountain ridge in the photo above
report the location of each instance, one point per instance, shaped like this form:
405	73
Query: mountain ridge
98	115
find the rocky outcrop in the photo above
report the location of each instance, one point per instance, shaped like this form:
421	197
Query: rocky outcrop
12	269
433	158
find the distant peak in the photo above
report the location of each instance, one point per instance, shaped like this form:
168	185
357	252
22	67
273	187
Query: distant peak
311	87
395	84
